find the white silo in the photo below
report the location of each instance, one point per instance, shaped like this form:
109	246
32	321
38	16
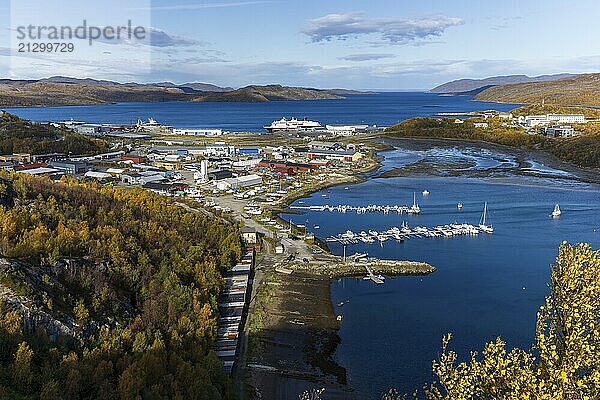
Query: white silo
204	170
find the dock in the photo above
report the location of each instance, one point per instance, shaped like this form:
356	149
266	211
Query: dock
378	279
371	208
405	233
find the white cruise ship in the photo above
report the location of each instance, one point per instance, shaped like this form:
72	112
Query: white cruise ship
292	124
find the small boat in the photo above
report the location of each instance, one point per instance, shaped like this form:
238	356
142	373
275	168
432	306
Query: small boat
346	188
483	223
414	209
339	317
459	206
316	227
340	304
425	192
556	213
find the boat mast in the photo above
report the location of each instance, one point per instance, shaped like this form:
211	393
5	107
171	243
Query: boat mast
484	212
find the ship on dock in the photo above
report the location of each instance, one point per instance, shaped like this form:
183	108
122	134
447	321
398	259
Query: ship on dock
293	125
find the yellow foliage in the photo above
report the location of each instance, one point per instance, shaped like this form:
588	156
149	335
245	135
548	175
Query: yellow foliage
564	363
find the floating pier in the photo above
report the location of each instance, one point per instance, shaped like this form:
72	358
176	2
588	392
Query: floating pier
371	208
405	233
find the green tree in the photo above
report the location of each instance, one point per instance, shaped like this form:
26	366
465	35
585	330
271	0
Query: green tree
22	375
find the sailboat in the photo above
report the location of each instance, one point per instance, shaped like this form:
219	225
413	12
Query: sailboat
556	213
482	224
415	209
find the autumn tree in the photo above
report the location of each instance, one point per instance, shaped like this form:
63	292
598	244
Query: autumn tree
564	362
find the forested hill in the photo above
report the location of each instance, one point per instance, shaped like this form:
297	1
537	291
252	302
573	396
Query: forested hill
108	293
580	90
20	136
467	85
71	91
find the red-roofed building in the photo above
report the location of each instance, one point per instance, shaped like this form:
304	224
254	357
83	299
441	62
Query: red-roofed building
135	159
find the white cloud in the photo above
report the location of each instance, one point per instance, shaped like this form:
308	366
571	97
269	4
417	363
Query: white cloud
179	7
366	57
393	30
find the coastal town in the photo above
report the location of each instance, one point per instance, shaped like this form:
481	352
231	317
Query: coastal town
292	200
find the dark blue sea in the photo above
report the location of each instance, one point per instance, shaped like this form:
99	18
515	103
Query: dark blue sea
485	286
383	109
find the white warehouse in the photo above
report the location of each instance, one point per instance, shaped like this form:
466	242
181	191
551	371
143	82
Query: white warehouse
537	120
240	182
197	132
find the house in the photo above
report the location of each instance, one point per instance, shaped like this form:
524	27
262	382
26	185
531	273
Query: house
220	175
131	178
348	156
246	164
134	159
218	149
70	167
248	151
285	167
7	166
279	249
168	165
141	178
239	182
483	125
156	187
538	120
115	171
197	132
249	235
101	176
346	130
559	131
21	158
318	145
40	171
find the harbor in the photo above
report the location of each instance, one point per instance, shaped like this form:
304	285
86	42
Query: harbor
371	208
405	233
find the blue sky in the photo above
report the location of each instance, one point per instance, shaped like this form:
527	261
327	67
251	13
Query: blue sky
376	44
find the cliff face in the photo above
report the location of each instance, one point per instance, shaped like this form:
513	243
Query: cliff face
42	296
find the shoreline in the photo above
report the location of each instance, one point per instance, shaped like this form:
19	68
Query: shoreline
294	349
305	293
581	174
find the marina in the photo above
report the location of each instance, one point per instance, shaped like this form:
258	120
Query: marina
371	208
404	233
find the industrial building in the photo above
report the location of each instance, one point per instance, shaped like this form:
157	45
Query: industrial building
197	132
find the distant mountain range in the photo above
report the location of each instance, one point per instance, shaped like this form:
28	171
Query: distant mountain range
461	86
60	90
575	90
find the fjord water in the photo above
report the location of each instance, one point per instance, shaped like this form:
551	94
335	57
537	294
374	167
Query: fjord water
382	109
485	286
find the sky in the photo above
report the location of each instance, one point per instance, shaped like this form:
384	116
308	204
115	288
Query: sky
355	44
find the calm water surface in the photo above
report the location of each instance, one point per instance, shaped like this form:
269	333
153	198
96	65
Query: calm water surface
383	109
485	286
